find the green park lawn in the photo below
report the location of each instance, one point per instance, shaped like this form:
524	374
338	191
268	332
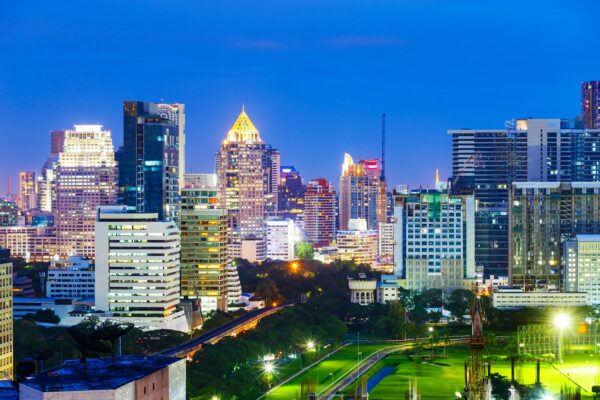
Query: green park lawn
442	381
339	364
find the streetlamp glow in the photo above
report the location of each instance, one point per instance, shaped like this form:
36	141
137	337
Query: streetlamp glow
310	345
268	367
562	321
430	329
547	396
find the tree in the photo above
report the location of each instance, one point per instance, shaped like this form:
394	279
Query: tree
267	290
305	251
459	303
46	315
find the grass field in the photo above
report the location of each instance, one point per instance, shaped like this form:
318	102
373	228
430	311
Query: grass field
338	364
442	381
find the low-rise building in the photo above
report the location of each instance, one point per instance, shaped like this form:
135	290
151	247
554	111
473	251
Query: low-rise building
70	279
362	290
387	288
254	249
133	378
357	243
281	239
516	297
581	271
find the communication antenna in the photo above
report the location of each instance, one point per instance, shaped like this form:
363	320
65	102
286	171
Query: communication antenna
382	177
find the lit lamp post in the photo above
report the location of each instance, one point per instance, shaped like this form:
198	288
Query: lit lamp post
561	322
430	329
268	368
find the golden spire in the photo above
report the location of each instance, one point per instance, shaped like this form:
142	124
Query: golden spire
243	130
437	176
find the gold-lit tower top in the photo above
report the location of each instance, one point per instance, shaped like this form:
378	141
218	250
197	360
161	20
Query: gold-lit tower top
437	176
243	130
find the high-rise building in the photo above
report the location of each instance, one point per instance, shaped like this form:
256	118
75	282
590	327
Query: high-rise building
320	212
204	257
6	316
357	243
9	213
436	239
57	142
581	273
72	279
291	194
362	193
176	113
590	104
27	190
46	181
542	216
281	239
385	244
149	169
248	175
138	269
85	179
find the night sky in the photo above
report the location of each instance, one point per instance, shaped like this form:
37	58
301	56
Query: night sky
315	76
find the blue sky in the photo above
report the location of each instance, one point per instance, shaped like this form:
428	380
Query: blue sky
314	75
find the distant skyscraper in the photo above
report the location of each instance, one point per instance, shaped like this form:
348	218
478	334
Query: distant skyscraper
46	182
9	213
27	190
176	113
357	243
291	194
149	169
319	212
57	142
138	269
85	179
6	316
590	104
248	175
204	257
362	193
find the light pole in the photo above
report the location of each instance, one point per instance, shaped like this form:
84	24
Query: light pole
561	322
430	329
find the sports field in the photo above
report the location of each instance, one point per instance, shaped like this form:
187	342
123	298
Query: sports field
338	365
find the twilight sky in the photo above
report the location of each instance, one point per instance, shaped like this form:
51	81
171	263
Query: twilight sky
314	75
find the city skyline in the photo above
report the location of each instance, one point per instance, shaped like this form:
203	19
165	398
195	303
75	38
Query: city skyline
350	66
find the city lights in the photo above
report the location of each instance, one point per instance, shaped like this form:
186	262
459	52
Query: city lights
268	367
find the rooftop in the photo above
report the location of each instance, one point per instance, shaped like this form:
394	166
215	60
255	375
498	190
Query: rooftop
100	374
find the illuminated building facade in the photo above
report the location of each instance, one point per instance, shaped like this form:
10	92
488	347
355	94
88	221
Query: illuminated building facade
149	169
72	278
291	194
9	213
581	260
204	257
30	243
248	175
542	216
138	269
435	232
27	190
320	212
85	179
590	104
6	316
281	239
362	193
357	243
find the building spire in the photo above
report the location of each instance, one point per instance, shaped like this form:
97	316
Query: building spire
243	130
437	176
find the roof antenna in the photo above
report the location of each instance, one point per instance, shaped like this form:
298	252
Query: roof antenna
382	177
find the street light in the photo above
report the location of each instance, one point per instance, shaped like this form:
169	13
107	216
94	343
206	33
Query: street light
561	322
294	266
310	345
268	367
430	329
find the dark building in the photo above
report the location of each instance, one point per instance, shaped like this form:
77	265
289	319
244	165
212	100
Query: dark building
291	193
9	213
590	104
149	161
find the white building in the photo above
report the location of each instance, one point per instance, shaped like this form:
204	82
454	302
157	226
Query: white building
517	298
138	269
254	249
70	279
362	290
387	288
281	239
582	266
357	243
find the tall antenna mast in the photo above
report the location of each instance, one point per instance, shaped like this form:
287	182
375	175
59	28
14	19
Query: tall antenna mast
382	177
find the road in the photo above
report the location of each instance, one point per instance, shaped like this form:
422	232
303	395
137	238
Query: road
213	336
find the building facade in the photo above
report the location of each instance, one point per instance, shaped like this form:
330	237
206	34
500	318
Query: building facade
281	239
85	179
6	316
138	269
436	239
357	243
73	278
590	104
542	216
149	169
291	194
9	213
320	212
27	190
581	260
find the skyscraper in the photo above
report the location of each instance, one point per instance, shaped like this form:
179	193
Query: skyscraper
85	179
291	194
248	175
176	113
204	257
149	169
138	269
27	190
46	182
319	212
6	316
590	104
9	213
357	243
362	193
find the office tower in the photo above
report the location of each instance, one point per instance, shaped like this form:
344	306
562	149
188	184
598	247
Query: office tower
176	113
9	213
581	261
57	142
138	269
542	216
385	244
254	248
590	104
320	212
73	278
357	243
291	194
362	193
436	239
27	190
46	185
85	179
248	175
6	316
281	239
204	257
149	167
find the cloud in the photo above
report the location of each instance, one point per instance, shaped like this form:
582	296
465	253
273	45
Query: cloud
364	41
260	44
